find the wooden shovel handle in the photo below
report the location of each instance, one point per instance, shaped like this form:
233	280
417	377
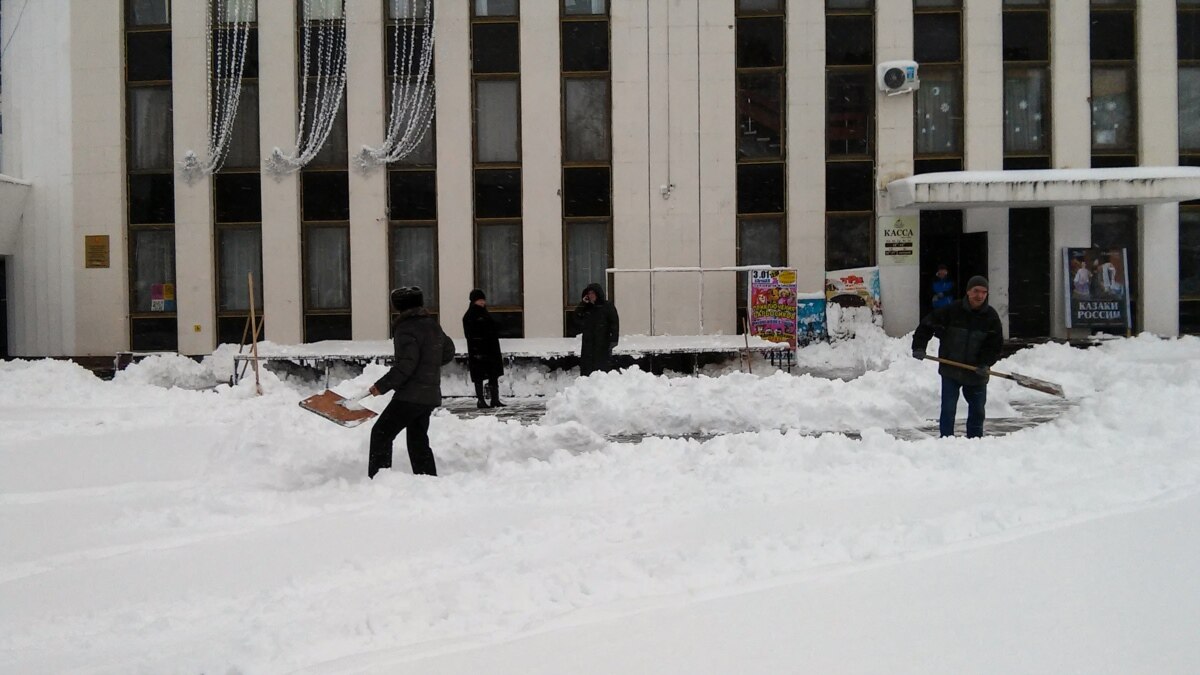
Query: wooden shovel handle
966	366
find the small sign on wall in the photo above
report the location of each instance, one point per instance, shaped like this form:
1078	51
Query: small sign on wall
898	236
95	251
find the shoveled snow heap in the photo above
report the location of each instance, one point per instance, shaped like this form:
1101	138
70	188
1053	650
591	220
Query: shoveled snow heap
152	527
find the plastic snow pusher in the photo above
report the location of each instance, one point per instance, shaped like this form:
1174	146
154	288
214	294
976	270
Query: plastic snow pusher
338	409
1023	380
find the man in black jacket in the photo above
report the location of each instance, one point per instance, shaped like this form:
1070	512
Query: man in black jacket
422	348
600	328
970	332
484	359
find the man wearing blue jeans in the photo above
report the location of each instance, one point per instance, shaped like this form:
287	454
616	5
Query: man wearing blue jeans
969	332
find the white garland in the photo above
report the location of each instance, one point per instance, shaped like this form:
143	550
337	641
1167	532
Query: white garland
413	100
328	87
226	51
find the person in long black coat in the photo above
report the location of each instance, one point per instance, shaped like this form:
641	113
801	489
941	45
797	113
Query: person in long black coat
969	332
599	326
421	349
484	359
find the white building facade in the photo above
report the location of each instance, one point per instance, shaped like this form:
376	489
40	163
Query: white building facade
572	136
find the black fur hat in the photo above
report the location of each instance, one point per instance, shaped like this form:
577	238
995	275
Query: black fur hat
407	297
477	294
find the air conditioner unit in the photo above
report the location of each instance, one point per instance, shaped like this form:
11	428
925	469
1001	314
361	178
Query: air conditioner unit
897	77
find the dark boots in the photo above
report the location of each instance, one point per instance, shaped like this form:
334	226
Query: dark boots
494	388
479	402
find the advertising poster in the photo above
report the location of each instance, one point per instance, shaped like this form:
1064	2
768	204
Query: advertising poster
1096	284
898	236
772	305
853	299
810	317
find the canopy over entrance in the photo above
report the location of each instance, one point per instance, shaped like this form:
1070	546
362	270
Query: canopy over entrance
1046	187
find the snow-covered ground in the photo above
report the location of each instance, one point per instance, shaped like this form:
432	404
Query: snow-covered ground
159	524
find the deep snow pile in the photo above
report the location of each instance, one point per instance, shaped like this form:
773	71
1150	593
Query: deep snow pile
153	528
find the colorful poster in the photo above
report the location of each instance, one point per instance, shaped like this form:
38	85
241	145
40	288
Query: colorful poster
772	305
1096	284
898	236
853	299
810	317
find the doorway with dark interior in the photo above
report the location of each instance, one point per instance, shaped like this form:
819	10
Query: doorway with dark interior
1029	260
943	242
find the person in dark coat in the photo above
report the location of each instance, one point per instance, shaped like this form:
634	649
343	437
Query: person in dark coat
969	332
600	328
422	348
483	349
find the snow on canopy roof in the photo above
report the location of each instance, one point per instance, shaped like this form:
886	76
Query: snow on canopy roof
1046	187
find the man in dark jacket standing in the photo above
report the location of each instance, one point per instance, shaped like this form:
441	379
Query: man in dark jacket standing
422	348
970	332
483	349
600	328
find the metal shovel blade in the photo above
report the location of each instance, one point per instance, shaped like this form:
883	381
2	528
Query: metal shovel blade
334	407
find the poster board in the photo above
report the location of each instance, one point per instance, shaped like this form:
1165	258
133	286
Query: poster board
1096	288
771	307
853	299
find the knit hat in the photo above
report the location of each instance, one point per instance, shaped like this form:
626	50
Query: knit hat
407	297
477	294
977	280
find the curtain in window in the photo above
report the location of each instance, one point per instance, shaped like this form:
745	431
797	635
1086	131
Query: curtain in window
327	267
759	243
233	11
153	267
939	114
414	260
584	7
587	113
1024	110
587	257
240	252
151	140
499	263
149	12
496	120
243	146
1189	109
406	9
495	7
321	9
1112	109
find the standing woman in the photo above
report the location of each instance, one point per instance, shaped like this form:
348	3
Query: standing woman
483	349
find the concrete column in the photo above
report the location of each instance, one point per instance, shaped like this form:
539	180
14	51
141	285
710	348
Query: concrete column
635	186
674	162
366	120
894	159
456	240
1158	136
541	171
195	288
97	151
806	156
984	86
282	299
717	170
1070	79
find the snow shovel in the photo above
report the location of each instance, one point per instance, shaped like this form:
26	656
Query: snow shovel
337	408
1023	380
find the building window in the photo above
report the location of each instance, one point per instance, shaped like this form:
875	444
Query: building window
150	181
1026	48
849	133
1114	83
937	32
496	80
1188	52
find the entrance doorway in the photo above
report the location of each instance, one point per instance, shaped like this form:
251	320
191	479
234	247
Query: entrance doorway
1029	259
943	242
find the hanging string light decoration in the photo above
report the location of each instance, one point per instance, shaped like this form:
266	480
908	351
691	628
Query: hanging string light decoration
226	49
413	96
324	54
